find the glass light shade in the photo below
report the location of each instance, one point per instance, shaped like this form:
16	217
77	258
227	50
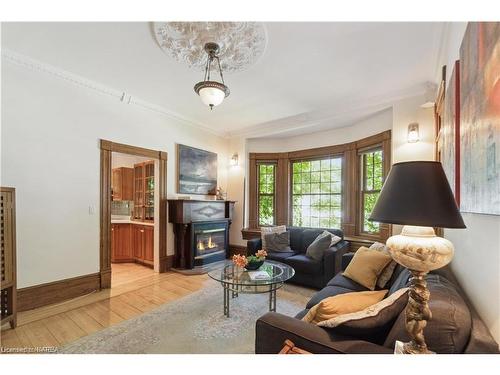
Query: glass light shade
234	160
413	134
211	96
419	249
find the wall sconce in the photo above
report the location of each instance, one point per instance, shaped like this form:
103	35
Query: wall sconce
234	160
413	135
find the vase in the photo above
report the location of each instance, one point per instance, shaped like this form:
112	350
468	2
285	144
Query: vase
255	265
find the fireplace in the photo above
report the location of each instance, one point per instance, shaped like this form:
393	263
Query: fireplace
201	231
209	242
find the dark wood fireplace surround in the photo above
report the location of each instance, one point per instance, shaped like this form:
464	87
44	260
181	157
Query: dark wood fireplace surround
187	215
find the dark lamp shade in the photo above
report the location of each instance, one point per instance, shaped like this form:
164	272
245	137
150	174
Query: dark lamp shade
417	193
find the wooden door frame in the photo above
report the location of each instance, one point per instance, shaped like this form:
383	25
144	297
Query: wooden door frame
107	147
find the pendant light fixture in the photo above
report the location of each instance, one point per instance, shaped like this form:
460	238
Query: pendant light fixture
212	93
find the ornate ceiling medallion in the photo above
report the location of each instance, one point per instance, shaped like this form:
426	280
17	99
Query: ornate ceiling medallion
241	44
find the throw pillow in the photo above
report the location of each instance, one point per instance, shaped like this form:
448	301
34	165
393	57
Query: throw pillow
317	248
342	304
268	230
386	274
335	239
279	242
366	266
371	320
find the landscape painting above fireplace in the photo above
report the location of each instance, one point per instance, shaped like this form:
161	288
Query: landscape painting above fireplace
197	171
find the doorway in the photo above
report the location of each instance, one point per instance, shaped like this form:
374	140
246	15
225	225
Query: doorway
143	217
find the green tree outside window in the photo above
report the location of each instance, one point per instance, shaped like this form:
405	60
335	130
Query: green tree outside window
266	193
317	193
373	179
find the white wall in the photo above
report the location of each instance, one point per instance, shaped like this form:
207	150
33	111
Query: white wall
375	124
50	153
477	248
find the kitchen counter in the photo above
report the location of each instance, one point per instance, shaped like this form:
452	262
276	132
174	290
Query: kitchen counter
128	221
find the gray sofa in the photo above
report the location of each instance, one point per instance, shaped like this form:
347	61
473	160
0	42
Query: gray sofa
455	326
308	272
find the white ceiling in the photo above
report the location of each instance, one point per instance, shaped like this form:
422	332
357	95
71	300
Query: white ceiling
311	76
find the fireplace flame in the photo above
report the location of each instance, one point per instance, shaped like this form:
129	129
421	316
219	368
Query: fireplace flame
210	244
200	246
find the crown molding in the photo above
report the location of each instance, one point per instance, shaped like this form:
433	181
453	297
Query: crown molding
314	121
85	83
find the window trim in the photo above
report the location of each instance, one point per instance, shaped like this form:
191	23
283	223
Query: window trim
350	223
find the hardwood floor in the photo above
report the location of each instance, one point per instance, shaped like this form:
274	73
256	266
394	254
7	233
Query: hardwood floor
135	290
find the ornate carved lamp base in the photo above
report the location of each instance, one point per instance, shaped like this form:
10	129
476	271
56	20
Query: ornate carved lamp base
417	314
419	250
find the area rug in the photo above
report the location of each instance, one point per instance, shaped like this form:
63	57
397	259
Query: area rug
194	324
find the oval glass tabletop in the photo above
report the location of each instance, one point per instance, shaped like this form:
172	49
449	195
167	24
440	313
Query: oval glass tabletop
269	273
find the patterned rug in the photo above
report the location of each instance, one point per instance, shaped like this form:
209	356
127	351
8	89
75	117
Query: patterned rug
193	324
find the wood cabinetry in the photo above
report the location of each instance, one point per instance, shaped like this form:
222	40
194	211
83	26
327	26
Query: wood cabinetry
132	243
122	184
144	184
121	243
143	243
8	298
148	244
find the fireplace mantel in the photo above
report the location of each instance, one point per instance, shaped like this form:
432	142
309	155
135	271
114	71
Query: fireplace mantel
184	211
184	214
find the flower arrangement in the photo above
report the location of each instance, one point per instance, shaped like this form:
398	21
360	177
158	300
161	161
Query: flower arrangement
251	262
240	260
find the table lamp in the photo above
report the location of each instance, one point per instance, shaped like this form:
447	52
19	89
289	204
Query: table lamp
417	195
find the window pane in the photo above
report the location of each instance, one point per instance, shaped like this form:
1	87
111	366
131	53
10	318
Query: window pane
266	194
266	210
316	193
369	200
372	184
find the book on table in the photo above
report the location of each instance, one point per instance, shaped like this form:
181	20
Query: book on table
259	275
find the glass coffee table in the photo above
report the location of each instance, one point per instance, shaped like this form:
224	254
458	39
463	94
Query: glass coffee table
235	280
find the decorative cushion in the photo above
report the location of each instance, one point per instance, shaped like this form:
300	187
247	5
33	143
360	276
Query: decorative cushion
366	266
278	242
268	230
317	249
345	282
386	274
342	304
371	320
327	291
401	281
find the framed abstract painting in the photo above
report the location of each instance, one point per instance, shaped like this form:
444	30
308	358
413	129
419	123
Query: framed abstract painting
449	137
480	118
197	171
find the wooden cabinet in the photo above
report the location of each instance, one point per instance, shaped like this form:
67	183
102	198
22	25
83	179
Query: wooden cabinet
148	244
143	243
8	297
144	184
137	238
122	184
121	244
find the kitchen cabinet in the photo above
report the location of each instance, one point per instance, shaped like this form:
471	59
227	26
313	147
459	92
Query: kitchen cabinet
122	184
132	243
148	244
121	244
143	243
144	181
